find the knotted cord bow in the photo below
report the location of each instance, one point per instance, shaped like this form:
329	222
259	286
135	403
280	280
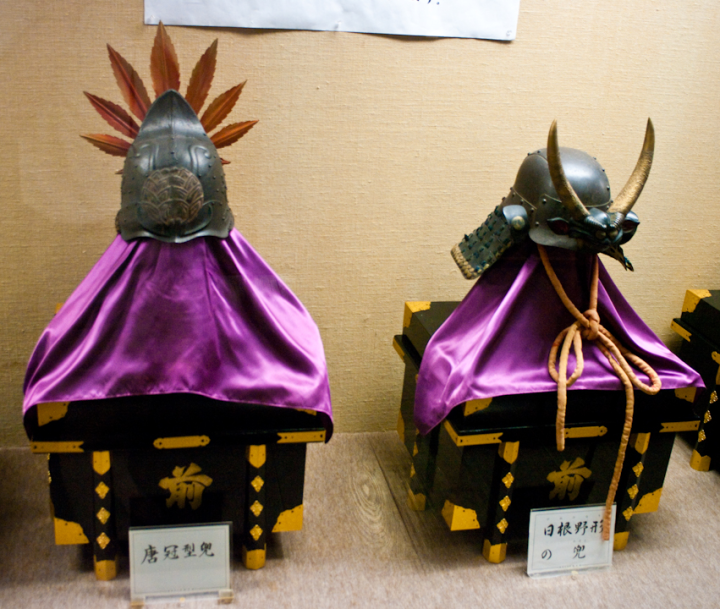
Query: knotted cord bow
587	325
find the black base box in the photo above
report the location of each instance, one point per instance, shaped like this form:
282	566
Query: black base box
171	460
492	461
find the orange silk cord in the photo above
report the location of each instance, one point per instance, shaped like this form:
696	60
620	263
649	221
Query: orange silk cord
587	325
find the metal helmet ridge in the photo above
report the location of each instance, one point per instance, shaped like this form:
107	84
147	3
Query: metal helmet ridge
173	186
561	198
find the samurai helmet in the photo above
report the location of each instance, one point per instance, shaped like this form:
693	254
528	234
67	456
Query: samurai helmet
173	186
561	198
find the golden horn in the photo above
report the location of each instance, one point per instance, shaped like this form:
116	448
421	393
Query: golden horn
631	191
567	195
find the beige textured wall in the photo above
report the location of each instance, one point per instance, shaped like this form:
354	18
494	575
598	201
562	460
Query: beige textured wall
373	156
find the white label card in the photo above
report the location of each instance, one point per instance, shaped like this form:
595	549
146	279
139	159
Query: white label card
493	19
565	540
180	561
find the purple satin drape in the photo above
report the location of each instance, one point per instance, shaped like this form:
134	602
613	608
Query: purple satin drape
207	317
498	340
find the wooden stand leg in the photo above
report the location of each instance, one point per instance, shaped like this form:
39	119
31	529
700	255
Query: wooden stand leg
104	540
629	487
255	530
422	473
501	488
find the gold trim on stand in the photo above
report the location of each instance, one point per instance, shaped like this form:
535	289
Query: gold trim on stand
181	442
459	518
102	489
686	393
676	426
253	559
473	406
256	455
640	442
693	298
57	447
105	570
472	440
620	541
700	463
257	483
301	437
103	540
592	431
494	553
289	520
416	502
649	502
69	533
307	411
101	462
103	515
508	451
51	411
413	307
681	331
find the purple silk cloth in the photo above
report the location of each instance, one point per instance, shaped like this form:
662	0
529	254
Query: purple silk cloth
498	340
206	317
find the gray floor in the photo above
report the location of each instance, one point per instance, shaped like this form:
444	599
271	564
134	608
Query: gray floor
362	547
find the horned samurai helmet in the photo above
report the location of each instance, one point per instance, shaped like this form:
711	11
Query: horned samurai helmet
173	186
561	198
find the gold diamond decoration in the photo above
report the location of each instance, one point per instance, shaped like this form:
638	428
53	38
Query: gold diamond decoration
713	397
256	531
103	515
701	435
628	513
502	525
708	417
415	449
638	469
508	480
412	471
103	540
632	491
257	483
505	503
256	508
102	489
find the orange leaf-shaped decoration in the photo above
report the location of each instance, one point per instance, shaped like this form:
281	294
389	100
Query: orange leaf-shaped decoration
231	134
201	78
114	115
224	162
221	107
131	85
108	143
164	67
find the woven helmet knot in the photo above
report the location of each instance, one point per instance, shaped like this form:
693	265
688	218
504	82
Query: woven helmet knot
593	329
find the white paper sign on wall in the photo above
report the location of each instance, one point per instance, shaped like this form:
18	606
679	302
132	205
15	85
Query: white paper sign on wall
564	540
180	561
491	19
